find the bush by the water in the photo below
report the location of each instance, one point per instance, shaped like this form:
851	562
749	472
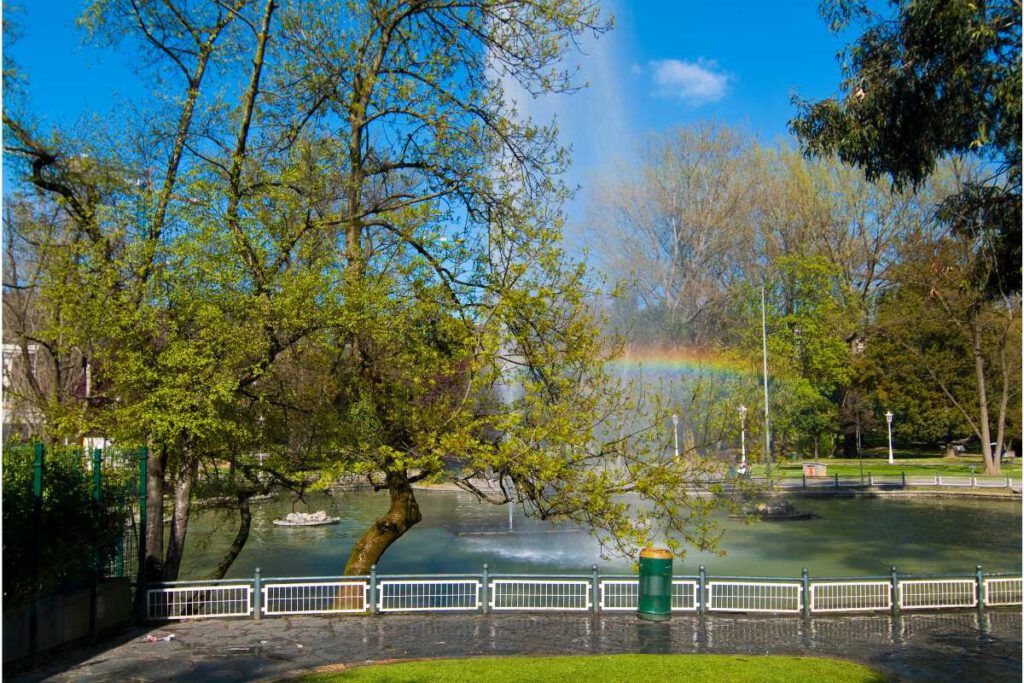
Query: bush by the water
74	533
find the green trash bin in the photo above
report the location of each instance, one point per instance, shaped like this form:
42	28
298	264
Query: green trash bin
655	597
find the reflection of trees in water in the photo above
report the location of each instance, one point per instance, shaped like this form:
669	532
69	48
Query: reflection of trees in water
869	535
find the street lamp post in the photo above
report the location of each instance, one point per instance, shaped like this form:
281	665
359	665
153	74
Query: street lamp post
743	438
675	433
888	420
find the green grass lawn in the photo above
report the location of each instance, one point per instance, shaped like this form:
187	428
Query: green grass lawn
654	668
964	465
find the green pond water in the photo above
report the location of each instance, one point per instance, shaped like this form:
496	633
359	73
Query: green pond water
850	537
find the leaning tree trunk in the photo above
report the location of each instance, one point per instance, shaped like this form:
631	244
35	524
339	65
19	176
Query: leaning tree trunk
244	525
183	484
403	514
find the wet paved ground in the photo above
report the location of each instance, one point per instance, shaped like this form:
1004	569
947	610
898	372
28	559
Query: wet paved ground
957	647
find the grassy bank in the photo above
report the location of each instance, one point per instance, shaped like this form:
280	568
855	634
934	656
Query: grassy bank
961	466
684	668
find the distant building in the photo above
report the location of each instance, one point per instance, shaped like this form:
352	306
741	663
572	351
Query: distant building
20	419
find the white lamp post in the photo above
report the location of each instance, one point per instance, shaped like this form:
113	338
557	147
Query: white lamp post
888	419
675	433
743	438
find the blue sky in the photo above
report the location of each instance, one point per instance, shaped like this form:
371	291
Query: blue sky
665	64
668	64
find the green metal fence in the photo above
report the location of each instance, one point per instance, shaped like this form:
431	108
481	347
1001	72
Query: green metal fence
70	513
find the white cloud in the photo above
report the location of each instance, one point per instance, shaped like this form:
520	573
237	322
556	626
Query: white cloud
693	83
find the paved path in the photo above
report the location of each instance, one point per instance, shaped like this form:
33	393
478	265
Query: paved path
920	647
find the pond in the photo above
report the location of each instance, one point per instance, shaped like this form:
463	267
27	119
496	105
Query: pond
849	537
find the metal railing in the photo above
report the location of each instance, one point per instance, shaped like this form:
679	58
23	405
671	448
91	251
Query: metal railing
440	594
484	592
754	596
903	480
199	601
938	593
684	595
541	594
304	596
623	594
850	596
1003	591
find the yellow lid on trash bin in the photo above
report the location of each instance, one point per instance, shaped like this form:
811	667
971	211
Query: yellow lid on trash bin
655	554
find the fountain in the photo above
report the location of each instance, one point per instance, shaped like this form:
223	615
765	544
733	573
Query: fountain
849	537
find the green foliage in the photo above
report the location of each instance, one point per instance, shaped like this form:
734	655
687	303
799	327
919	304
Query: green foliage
350	263
935	78
810	316
72	532
929	361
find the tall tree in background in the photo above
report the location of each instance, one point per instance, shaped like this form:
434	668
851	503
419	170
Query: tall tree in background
706	216
926	80
956	340
677	223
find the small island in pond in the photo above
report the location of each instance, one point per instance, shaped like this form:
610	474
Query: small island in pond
306	519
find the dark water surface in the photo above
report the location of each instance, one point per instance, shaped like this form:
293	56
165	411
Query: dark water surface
850	537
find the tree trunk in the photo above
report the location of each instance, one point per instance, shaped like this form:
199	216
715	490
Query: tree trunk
1004	402
403	514
244	524
991	464
182	510
850	445
156	463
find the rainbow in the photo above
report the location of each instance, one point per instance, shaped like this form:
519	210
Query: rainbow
683	361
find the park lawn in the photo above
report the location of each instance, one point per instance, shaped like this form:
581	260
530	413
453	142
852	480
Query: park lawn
655	668
964	466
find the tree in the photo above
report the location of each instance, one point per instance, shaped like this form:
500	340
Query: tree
368	211
178	315
809	358
677	224
931	79
960	342
45	381
822	209
707	215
